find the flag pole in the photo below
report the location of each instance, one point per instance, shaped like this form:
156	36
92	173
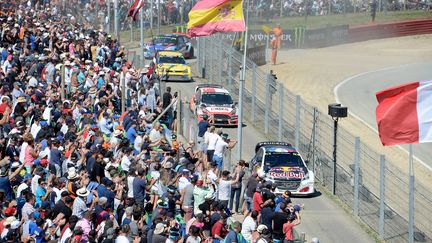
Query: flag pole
411	197
242	80
142	35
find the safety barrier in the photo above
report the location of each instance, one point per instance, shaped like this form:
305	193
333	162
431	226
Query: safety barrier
379	31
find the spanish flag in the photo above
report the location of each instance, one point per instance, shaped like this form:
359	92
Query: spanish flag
212	16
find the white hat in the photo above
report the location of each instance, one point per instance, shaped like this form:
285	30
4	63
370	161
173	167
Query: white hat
67	63
260	228
131	70
82	192
43	154
159	229
15	224
9	220
15	165
168	165
72	174
101	73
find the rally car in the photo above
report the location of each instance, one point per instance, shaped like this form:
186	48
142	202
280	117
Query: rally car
171	65
282	165
214	101
172	42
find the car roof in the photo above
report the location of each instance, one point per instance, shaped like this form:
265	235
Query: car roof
214	90
274	144
170	54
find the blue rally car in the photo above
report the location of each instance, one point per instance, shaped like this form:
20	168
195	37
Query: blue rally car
172	42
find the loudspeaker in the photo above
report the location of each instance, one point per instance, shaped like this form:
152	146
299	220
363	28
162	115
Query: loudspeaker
336	110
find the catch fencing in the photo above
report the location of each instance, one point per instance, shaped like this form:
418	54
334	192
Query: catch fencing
375	190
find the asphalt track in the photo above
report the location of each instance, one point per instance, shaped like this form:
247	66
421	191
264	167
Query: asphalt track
321	217
358	94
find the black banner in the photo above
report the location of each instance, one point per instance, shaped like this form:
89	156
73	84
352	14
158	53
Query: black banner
257	55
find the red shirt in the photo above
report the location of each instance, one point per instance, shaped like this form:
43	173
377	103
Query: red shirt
257	201
218	229
288	231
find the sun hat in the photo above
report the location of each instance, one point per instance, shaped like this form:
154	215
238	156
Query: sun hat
159	229
167	165
72	174
260	228
82	192
92	90
9	220
21	99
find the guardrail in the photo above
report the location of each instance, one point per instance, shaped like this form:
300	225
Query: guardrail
379	31
377	193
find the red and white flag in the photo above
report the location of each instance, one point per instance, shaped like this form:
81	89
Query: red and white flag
404	113
134	9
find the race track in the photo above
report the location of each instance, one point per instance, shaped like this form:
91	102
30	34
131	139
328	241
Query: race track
321	217
358	94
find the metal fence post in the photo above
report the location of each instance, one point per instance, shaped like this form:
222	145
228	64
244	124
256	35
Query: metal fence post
108	27
203	60
281	102
179	113
230	88
297	122
254	79
314	126
116	20
220	64
411	197
267	104
356	175
131	26
382	196
185	119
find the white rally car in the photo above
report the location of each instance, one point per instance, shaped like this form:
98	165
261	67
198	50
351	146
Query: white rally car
214	101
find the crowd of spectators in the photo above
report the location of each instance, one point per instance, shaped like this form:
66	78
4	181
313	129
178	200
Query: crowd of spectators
76	167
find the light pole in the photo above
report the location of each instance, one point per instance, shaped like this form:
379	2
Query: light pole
336	111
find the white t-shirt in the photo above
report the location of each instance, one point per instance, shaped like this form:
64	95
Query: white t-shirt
224	190
220	147
212	140
125	163
183	182
154	135
248	226
130	186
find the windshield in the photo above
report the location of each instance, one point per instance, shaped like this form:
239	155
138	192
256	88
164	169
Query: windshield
164	41
282	159
177	60
216	99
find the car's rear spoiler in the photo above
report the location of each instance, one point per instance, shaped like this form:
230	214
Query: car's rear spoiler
274	143
200	86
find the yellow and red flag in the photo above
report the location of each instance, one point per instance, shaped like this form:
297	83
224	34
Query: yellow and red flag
134	9
211	16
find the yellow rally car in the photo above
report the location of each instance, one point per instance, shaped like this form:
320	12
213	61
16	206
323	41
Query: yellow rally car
171	65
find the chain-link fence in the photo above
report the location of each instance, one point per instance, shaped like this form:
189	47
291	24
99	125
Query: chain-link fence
374	189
